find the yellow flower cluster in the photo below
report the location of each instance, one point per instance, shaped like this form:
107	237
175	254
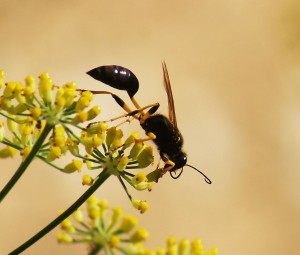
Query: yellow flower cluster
31	106
111	231
104	229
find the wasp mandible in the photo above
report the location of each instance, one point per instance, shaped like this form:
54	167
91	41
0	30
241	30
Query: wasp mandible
161	129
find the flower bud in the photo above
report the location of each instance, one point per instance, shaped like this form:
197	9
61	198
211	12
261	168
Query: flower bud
25	152
117	213
130	140
87	180
138	178
184	247
7	152
2	131
93	112
1	78
114	241
136	149
141	205
128	223
145	158
79	118
54	153
122	163
78	215
45	87
75	165
139	235
63	237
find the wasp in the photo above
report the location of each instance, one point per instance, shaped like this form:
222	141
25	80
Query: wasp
161	129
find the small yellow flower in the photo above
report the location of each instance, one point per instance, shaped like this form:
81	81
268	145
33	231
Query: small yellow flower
160	251
87	180
122	163
80	117
63	237
139	235
184	247
60	103
92	200
141	205
97	128
36	112
130	140
72	146
197	246
67	225
88	161
30	82
117	213
93	112
45	87
114	241
145	158
110	135
128	223
9	90
54	153
136	149
138	178
94	212
90	142
75	165
84	101
7	151
2	131
172	247
11	124
25	152
1	78
78	215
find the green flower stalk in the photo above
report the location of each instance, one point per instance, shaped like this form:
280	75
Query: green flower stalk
109	231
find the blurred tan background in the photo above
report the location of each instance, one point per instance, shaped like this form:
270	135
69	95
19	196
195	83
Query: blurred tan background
235	72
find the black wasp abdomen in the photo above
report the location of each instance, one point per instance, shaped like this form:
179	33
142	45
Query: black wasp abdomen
168	140
117	77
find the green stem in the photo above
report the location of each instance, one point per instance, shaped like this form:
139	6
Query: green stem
95	250
22	168
100	180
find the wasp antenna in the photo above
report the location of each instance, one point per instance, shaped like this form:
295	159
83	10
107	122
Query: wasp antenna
207	180
176	176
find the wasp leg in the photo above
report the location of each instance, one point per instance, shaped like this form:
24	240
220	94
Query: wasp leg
135	103
136	113
118	100
150	112
169	164
150	137
121	103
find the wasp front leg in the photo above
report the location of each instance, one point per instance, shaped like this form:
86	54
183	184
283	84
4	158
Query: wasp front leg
169	164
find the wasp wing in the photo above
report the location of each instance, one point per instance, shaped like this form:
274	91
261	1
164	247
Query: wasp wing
167	85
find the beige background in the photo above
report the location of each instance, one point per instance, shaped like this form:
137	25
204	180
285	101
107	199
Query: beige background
234	67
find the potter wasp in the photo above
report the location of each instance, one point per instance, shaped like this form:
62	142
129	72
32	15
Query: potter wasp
159	128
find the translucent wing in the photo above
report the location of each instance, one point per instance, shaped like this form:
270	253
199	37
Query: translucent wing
167	84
